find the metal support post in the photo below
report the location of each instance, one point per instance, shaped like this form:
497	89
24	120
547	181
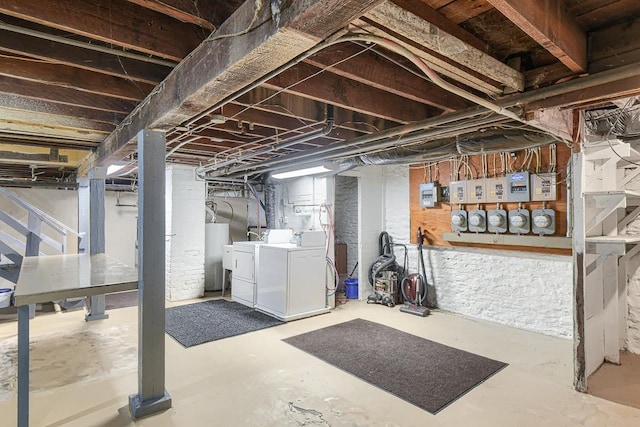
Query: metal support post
152	396
23	366
33	246
83	215
96	304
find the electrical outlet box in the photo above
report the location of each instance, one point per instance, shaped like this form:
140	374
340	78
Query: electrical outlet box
459	220
496	189
477	221
519	221
497	221
518	187
543	222
458	192
429	193
544	187
476	191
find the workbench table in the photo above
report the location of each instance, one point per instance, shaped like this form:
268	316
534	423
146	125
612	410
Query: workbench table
56	277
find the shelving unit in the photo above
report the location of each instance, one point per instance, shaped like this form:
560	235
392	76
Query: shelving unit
605	203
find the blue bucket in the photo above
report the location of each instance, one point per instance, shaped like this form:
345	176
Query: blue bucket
351	285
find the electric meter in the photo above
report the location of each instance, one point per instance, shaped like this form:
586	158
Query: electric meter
459	220
519	221
544	221
478	221
541	221
497	222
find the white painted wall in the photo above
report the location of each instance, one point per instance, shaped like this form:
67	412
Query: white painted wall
520	289
346	217
120	222
633	294
185	234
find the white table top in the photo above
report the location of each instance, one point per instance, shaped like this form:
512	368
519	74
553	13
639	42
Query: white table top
56	277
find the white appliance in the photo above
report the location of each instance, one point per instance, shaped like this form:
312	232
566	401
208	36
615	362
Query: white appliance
292	281
215	236
244	278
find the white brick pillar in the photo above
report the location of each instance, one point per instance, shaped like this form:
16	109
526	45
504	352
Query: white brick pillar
185	216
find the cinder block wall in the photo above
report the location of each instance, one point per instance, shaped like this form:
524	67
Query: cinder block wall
185	216
520	289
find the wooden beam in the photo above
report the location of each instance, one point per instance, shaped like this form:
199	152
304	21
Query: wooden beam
307	109
63	95
373	70
623	88
78	123
614	46
422	10
116	22
73	78
45	141
16	102
549	24
437	44
198	13
221	67
332	89
87	59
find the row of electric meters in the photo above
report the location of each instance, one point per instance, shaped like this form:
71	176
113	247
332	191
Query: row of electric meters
514	187
516	221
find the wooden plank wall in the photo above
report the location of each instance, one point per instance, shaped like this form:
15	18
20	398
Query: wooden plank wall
435	221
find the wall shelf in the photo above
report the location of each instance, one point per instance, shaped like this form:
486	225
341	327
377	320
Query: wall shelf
554	242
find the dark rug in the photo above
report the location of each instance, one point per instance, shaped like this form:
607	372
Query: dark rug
195	324
422	372
121	300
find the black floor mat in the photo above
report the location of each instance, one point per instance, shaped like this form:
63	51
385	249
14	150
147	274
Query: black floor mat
195	324
121	300
423	372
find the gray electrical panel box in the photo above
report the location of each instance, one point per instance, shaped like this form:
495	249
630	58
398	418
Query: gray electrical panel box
458	192
518	187
543	222
459	220
496	189
543	187
476	191
429	193
519	221
477	221
497	221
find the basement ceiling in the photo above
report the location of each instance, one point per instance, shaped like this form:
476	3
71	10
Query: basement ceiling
244	88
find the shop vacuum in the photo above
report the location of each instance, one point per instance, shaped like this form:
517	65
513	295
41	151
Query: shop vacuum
384	274
414	287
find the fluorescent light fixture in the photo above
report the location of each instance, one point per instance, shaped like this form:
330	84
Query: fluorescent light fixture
115	168
301	172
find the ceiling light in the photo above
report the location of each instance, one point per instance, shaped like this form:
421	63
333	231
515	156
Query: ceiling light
115	168
302	172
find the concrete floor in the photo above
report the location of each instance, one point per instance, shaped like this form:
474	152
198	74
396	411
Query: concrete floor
83	373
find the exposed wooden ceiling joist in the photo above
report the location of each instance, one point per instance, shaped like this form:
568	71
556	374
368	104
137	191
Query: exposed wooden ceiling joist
549	24
201	14
439	47
349	94
87	59
74	78
16	102
117	22
64	95
208	75
373	70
